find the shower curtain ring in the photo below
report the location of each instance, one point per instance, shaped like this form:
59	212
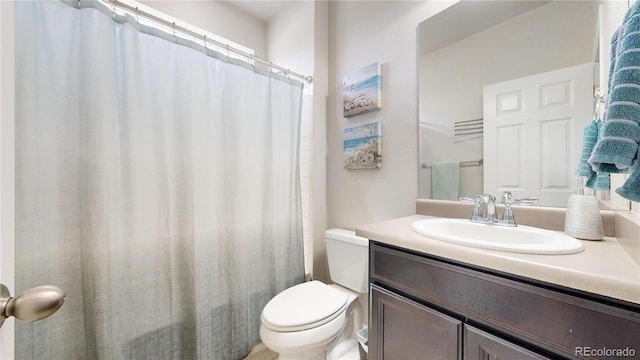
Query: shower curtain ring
205	42
137	17
174	31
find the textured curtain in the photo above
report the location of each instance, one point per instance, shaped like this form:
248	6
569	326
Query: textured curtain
157	185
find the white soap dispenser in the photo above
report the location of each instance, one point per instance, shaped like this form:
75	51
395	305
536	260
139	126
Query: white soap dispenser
583	219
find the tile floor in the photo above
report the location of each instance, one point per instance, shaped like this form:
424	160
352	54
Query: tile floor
261	352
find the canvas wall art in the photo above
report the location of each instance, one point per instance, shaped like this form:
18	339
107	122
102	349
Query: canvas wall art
361	91
363	146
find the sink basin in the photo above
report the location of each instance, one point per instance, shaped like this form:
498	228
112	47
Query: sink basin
520	239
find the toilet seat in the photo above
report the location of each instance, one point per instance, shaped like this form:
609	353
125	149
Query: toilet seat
304	306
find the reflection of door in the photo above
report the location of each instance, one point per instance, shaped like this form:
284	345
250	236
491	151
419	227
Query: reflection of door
533	133
7	151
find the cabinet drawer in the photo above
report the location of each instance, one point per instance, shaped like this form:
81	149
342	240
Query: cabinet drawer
551	320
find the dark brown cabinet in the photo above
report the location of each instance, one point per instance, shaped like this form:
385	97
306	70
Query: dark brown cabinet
424	307
408	330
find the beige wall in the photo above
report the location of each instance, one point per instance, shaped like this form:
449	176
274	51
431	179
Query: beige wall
319	148
360	33
290	37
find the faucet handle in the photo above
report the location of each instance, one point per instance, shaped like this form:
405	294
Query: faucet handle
477	208
477	200
525	201
488	197
478	203
507	213
507	197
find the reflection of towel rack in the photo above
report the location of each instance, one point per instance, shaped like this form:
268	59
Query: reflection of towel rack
467	127
598	110
426	165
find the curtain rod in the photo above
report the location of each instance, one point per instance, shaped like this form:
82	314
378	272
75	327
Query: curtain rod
206	40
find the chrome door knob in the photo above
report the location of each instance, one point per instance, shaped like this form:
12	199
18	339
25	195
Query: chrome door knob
33	304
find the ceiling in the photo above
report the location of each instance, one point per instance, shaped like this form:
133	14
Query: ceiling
466	18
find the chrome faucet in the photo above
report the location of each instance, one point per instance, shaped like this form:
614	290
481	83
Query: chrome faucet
481	202
490	217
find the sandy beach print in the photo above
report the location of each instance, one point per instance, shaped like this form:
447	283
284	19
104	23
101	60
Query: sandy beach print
361	91
363	146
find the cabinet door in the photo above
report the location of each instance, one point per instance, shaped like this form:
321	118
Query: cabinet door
402	329
479	345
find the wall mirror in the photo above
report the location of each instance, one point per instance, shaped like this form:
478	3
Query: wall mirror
482	46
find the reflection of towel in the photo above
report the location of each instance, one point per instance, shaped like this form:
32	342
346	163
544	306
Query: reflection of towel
445	180
596	181
631	188
617	150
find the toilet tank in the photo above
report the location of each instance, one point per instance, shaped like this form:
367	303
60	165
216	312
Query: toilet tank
348	257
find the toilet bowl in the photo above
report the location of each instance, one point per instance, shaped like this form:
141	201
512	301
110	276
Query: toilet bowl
314	320
303	321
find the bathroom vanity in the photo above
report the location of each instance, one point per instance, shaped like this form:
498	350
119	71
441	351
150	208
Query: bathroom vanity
434	300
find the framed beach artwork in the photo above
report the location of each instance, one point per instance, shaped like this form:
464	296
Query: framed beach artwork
363	146
361	91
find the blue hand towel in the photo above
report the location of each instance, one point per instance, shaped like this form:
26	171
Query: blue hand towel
631	188
445	180
595	180
599	181
616	150
629	91
589	139
612	56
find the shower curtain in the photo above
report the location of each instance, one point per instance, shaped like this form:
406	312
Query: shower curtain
156	183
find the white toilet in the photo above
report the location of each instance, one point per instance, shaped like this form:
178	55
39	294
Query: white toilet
313	320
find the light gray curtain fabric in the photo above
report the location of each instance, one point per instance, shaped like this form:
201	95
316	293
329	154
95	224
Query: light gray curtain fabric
156	185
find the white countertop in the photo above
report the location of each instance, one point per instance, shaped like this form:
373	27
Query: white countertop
603	267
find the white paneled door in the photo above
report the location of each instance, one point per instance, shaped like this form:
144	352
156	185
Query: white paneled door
533	128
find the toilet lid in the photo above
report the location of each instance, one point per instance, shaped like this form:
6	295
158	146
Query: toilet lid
303	306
